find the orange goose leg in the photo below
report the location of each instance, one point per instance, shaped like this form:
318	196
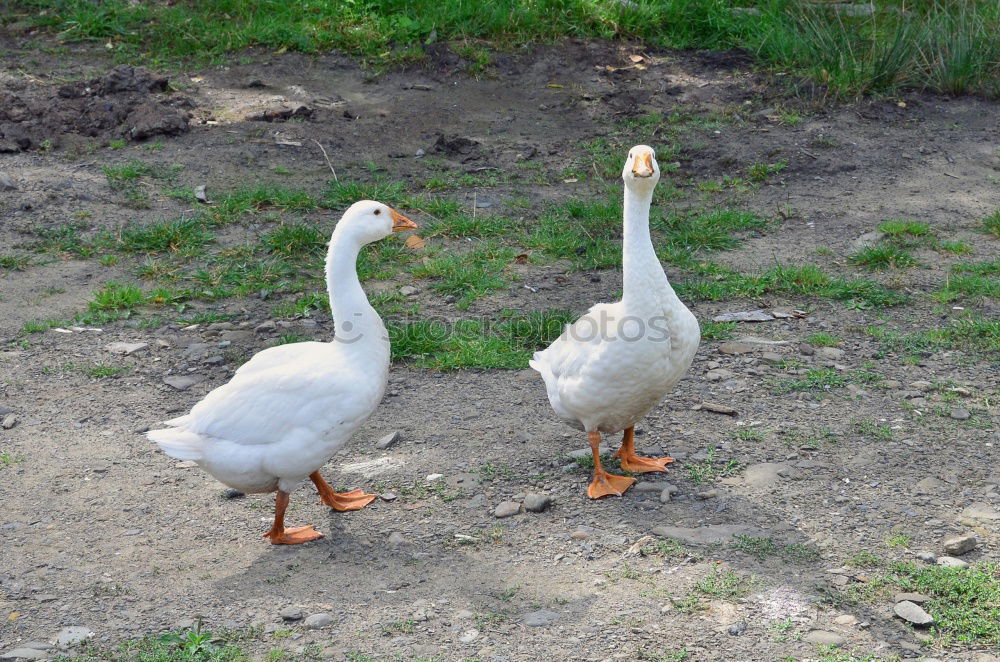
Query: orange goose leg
279	535
341	501
604	484
635	463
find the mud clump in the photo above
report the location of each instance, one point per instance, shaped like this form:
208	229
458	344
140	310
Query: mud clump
127	102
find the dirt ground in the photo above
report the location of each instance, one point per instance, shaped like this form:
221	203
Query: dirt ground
99	529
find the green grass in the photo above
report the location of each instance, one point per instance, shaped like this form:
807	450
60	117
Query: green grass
117	297
968	286
948	47
902	229
816	379
713	283
991	223
14	262
717	330
759	172
66	239
505	344
970	334
182	235
8	460
725	585
823	339
706	231
588	234
763	547
468	276
883	256
296	239
709	469
965	603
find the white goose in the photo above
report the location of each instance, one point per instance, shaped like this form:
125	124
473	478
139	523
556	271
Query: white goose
288	409
613	365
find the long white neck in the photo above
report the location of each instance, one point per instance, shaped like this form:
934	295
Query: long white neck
643	279
356	322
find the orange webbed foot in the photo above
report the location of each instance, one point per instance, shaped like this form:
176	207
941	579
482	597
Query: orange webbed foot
344	501
295	535
605	484
640	465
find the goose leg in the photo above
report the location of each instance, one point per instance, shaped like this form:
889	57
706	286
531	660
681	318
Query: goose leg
279	535
353	500
635	463
604	484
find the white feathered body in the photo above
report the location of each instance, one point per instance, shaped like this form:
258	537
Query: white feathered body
288	409
613	365
281	417
600	376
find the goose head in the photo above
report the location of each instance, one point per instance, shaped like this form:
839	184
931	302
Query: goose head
367	220
641	171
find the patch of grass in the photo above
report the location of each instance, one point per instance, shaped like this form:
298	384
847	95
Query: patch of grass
257	199
14	262
759	172
948	47
347	193
899	540
869	428
991	223
495	472
902	229
99	370
38	326
585	233
117	297
822	339
463	225
762	547
64	239
977	268
969	334
725	585
717	330
194	645
864	560
7	460
295	239
965	602
714	282
883	256
468	276
302	306
706	231
749	434
290	338
817	379
506	344
707	470
967	285
182	235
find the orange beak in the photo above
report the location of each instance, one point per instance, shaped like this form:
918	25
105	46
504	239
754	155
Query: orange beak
400	223
643	165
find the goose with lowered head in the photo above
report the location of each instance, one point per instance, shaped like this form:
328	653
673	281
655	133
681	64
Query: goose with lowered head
288	409
613	365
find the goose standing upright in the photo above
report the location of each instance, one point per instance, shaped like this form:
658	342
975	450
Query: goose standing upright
613	365
288	409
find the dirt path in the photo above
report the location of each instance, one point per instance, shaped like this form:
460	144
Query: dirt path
103	531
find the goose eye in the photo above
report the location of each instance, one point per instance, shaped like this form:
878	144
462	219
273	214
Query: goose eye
378	211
